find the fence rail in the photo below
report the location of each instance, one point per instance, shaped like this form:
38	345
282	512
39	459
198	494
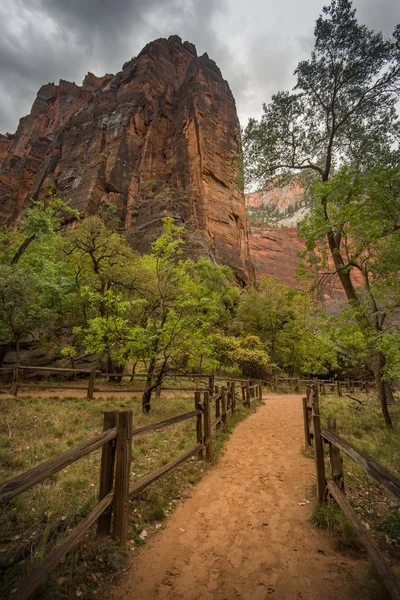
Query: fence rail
278	384
335	486
115	488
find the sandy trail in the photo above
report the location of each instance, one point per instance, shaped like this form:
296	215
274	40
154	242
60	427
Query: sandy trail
244	534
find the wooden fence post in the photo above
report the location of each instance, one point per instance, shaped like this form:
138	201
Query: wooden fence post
243	386
223	403
122	474
260	390
207	426
248	399
14	383
306	423
297	385
335	458
233	397
199	425
218	410
107	472
92	378
211	382
319	449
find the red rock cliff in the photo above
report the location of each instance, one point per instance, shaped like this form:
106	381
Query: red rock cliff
157	139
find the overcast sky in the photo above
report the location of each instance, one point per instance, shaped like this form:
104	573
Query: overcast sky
256	43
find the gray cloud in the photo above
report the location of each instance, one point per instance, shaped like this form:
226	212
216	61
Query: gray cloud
256	44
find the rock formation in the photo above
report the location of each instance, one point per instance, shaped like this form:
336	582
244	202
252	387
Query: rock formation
157	139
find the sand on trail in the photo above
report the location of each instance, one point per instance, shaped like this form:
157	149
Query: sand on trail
245	531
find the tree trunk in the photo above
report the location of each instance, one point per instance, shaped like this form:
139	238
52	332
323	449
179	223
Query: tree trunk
389	393
111	369
148	388
377	358
133	371
378	362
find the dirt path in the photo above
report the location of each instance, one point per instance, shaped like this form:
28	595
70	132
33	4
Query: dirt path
244	533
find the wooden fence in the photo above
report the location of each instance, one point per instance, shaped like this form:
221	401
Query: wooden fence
18	381
325	386
211	412
317	436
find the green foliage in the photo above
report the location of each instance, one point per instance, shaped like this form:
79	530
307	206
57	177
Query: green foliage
246	354
363	211
295	334
23	308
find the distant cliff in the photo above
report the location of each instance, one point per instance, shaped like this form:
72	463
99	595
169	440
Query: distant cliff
157	139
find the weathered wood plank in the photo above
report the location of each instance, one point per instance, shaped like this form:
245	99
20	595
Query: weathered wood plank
307	438
110	418
216	422
207	426
165	423
224	405
122	474
141	485
92	378
56	369
13	487
318	447
389	579
199	423
390	482
335	458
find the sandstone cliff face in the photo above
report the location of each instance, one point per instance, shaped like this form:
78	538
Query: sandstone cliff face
157	139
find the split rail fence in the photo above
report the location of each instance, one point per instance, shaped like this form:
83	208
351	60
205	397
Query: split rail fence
211	413
16	377
317	436
325	386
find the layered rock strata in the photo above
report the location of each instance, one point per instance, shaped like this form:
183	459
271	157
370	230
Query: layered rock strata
157	139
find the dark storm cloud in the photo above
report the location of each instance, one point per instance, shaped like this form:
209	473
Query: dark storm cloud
257	44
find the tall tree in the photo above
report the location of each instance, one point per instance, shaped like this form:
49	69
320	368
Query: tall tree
342	111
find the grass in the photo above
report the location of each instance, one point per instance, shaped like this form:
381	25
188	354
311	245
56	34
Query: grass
330	518
35	429
364	427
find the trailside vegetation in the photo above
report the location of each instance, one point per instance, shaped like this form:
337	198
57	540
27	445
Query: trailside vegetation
82	289
339	129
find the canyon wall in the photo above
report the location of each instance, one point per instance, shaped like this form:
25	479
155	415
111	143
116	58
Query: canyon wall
158	139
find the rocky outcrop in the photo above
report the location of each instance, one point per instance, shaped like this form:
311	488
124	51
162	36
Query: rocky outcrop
275	252
157	139
280	206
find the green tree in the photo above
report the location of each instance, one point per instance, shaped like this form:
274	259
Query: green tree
102	271
156	308
363	211
290	327
34	284
342	111
24	311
